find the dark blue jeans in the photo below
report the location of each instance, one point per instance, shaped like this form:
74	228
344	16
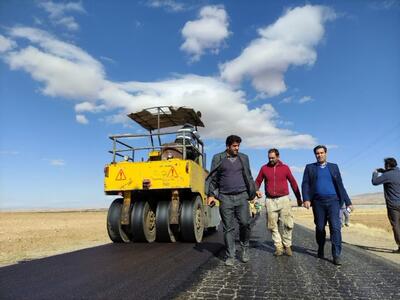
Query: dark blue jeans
327	210
235	207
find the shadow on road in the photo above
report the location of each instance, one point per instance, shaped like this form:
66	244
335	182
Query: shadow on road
268	246
211	247
374	249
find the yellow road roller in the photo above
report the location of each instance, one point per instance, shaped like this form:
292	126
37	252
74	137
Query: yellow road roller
159	178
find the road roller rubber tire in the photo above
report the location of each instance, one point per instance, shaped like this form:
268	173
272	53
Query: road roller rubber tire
192	220
164	231
114	228
143	222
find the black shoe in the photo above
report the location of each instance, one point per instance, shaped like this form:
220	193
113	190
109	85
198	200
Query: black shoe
321	253
337	261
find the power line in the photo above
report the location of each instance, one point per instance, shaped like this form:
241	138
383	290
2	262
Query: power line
372	144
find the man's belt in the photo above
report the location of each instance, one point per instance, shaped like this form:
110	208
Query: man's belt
233	193
276	197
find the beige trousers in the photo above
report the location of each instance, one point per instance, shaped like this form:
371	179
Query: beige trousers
280	220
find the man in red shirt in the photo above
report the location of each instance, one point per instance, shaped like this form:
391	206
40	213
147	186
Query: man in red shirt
275	175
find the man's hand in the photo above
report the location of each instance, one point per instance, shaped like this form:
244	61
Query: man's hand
299	202
258	194
211	201
351	207
307	204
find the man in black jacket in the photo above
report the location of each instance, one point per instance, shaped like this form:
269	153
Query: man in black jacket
230	182
390	178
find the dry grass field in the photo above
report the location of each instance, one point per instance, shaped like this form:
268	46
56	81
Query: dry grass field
30	235
373	218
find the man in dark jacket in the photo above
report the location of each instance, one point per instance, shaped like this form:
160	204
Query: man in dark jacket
323	189
390	178
230	182
276	175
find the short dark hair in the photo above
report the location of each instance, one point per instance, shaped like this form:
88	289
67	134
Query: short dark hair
319	147
273	150
390	162
232	139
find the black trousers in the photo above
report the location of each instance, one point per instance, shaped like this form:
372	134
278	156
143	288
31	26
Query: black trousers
394	219
328	211
235	207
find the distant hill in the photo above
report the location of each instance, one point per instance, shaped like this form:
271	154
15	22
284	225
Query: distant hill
369	198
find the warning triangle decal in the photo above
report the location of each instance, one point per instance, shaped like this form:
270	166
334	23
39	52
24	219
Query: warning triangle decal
120	175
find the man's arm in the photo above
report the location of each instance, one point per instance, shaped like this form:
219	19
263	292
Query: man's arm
346	199
211	182
305	188
259	180
294	186
378	179
250	180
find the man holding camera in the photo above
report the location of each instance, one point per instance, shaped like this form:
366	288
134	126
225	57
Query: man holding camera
390	178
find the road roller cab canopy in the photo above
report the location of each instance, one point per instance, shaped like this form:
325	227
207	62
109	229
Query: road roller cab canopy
184	142
166	116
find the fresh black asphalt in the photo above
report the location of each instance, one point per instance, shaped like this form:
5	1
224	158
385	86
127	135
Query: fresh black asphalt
112	271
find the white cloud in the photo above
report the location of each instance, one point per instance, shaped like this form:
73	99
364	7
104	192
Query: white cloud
138	24
385	5
37	21
305	99
108	59
57	162
208	32
67	71
57	13
169	5
82	119
212	97
89	107
286	100
290	41
69	23
296	169
6	44
8	152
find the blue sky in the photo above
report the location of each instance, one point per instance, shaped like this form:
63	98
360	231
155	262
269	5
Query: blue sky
285	74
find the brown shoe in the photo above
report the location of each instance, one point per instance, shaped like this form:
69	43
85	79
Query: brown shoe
278	252
288	251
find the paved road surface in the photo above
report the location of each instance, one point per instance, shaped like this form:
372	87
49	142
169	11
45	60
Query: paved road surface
303	276
154	271
113	271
